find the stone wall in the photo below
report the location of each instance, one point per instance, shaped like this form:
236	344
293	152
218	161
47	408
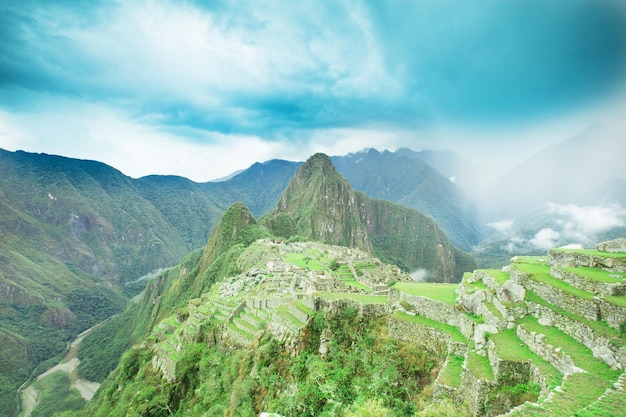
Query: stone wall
297	313
575	305
594	287
475	391
555	356
432	340
427	307
612	314
601	347
365	309
565	259
508	372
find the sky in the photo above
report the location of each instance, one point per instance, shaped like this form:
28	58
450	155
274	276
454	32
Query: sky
204	88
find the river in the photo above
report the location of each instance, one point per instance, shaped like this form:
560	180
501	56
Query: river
69	365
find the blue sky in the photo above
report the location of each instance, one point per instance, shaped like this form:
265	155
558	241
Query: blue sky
204	88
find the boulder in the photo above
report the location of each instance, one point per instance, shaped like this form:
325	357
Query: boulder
511	291
612	246
472	302
607	355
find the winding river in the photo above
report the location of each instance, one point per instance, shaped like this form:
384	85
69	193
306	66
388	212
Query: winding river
69	364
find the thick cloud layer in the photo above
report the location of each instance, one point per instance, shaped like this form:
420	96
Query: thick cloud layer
281	73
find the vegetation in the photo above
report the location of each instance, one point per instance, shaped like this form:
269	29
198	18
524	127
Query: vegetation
361	367
441	292
56	395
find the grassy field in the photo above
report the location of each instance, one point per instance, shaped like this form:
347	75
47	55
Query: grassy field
304	261
499	276
440	292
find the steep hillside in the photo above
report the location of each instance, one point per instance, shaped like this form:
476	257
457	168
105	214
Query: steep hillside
313	330
405	178
319	204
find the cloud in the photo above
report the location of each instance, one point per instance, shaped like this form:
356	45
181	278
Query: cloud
545	238
583	221
502	225
294	74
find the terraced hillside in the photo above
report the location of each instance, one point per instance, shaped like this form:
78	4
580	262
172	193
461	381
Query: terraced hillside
543	336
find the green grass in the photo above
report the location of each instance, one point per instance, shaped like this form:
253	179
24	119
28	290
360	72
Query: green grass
303	261
451	374
592	252
240	331
580	354
283	310
618	300
300	306
479	365
607	406
597	274
454	333
440	292
499	276
475	286
541	273
510	347
56	394
599	327
493	310
356	284
366	299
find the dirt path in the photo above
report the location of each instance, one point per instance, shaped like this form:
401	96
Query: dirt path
69	365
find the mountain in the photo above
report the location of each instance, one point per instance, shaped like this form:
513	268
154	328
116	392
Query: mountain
405	177
76	237
319	204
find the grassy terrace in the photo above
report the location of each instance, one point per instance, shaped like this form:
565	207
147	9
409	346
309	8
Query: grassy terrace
475	286
241	332
510	347
451	374
499	276
598	275
283	310
440	292
599	327
479	365
366	299
303	261
616	400
454	333
619	301
493	310
580	354
300	306
540	272
592	252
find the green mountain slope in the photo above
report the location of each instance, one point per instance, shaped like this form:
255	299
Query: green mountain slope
323	206
404	178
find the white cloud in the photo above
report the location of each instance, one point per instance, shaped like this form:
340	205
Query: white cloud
502	225
588	220
545	238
